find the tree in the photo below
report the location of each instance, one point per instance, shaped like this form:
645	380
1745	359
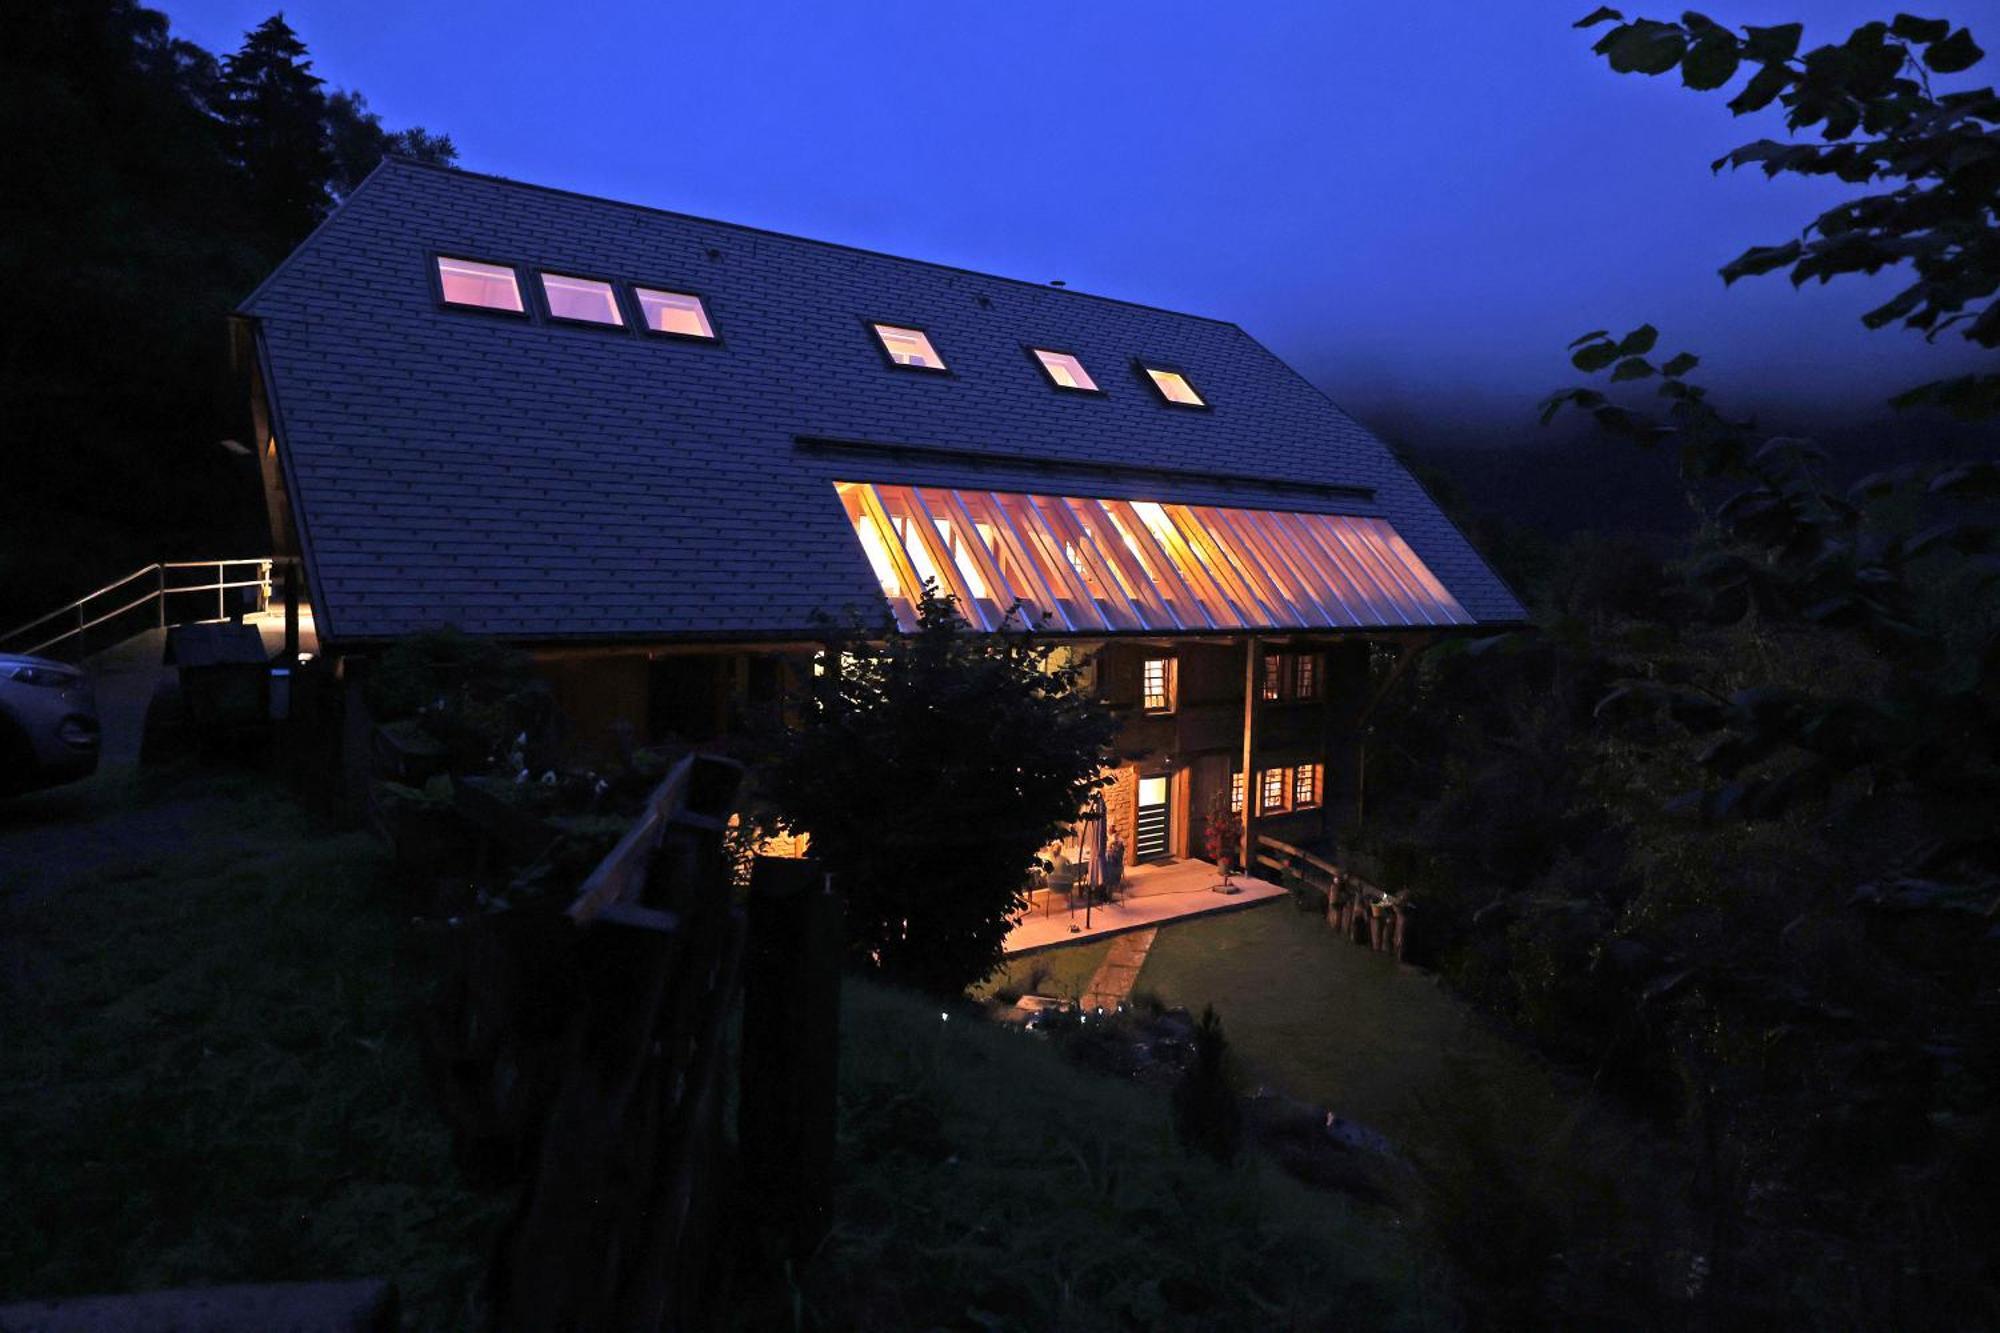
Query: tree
276	117
1881	123
929	768
358	142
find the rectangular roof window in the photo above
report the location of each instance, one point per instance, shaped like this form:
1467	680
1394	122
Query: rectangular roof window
678	313
908	347
488	286
584	299
1065	370
1174	387
1092	565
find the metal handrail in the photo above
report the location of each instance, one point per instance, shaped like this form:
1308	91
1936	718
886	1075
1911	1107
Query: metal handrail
161	590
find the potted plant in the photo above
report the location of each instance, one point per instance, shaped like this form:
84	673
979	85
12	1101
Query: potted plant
1223	838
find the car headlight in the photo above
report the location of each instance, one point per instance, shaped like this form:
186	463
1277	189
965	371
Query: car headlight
48	677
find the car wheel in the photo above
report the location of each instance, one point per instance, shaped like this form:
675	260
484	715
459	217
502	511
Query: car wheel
19	771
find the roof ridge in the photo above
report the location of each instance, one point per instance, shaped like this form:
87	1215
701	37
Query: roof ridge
400	160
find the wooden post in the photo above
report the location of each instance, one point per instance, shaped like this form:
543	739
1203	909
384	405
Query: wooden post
790	1062
291	613
1253	692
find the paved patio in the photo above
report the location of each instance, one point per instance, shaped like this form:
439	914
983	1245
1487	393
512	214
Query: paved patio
1153	896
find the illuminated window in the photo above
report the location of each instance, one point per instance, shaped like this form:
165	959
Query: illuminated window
1156	685
1305	786
1235	793
488	286
585	300
1174	387
1305	678
909	347
1270	790
676	313
1274	676
1065	370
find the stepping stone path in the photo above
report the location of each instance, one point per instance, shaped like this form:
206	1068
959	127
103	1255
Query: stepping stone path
1111	985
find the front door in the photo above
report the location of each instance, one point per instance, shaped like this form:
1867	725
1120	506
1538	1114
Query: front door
1150	828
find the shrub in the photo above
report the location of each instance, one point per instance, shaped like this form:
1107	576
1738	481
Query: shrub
1208	1119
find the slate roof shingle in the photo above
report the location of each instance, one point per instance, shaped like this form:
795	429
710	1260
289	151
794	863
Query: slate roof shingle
543	481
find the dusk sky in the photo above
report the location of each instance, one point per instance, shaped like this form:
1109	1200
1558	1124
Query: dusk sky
1418	206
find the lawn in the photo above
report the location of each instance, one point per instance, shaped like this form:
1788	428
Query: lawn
1335	1023
985	1182
207	1072
1062	972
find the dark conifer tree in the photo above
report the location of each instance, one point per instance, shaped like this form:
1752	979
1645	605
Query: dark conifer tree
277	118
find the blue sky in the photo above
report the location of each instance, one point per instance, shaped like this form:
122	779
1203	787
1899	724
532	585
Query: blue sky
1417	205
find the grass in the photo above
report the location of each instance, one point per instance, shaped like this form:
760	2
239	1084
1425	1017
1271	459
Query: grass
1061	973
986	1183
207	1072
1335	1023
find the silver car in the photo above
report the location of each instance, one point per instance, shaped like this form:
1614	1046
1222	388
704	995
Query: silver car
48	724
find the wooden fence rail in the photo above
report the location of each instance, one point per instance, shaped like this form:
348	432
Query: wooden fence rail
1359	910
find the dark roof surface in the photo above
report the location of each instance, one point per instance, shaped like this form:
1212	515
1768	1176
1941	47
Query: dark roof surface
546	481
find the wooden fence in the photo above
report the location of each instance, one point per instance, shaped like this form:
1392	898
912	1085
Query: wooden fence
1359	910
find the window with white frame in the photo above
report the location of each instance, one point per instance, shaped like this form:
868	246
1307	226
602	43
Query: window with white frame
1065	371
1156	685
679	314
585	300
1174	387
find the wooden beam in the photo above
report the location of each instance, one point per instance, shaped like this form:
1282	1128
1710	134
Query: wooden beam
1252	691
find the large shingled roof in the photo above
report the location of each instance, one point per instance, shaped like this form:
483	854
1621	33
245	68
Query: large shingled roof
541	482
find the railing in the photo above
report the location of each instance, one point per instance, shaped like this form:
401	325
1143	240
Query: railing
67	631
1356	909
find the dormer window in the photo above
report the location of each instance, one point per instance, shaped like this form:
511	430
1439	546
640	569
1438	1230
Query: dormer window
679	314
1065	371
908	347
485	286
584	300
1174	387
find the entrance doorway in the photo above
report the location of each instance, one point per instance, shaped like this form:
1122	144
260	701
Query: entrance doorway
1150	834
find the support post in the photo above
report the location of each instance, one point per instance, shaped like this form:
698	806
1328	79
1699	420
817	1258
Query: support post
789	1076
1253	690
291	612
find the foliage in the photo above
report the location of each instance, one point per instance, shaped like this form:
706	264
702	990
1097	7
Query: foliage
1222	833
477	698
1881	123
149	189
1208	1117
929	768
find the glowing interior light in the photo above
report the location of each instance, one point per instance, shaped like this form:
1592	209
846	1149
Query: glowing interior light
878	558
581	298
909	347
488	286
677	313
1066	370
1173	387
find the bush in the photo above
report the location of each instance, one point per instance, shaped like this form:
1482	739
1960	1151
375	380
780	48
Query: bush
929	770
1208	1118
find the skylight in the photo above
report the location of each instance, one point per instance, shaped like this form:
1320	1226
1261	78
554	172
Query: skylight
909	347
1174	387
488	286
1065	370
583	299
678	313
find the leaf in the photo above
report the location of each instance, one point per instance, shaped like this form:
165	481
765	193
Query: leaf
1764	85
1601	14
1760	259
1643	46
1584	399
1592	336
1773	44
1913	29
1710	63
1595	357
1639	341
1951	55
1680	365
1632	368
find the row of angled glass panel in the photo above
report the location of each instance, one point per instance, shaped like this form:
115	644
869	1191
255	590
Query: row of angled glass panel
1080	565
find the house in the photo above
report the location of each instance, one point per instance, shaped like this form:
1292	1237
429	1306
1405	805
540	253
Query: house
652	449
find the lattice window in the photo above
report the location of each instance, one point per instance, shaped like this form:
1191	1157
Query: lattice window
1305	676
1236	785
1305	786
1156	685
1271	790
1274	677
